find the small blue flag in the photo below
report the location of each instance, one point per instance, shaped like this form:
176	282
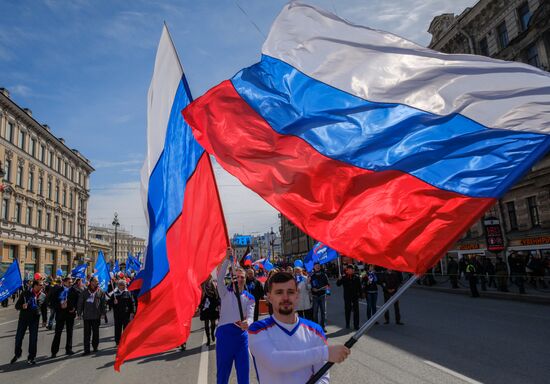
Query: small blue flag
79	271
267	265
132	264
11	281
320	253
102	271
116	267
59	272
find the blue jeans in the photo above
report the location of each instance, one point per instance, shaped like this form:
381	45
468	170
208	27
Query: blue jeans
372	298
319	305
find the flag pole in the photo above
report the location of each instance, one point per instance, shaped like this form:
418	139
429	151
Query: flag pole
365	327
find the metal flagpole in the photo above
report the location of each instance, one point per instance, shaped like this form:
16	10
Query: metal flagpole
365	327
339	266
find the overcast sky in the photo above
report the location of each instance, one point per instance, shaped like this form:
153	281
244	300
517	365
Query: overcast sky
84	66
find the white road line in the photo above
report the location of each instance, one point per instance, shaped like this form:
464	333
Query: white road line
8	322
56	369
452	373
203	365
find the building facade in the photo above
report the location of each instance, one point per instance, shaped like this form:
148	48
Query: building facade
44	192
294	242
516	30
103	238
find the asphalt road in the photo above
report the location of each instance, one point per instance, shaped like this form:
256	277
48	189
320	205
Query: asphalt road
446	339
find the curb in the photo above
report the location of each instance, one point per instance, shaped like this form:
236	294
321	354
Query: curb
526	298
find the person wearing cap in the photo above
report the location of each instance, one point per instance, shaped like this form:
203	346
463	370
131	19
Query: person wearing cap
122	302
65	299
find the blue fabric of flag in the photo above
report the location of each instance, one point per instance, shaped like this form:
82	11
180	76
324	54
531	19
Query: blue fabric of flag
59	272
11	281
79	271
267	265
102	271
320	253
116	267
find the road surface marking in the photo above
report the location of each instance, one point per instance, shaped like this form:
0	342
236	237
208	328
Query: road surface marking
452	373
8	322
56	369
203	365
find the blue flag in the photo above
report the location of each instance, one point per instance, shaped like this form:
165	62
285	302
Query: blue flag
320	253
132	264
102	271
59	272
79	271
11	281
267	265
116	267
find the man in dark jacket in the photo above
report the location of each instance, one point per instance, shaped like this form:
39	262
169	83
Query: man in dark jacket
319	285
64	299
501	272
91	306
352	291
452	272
391	282
122	302
254	287
28	305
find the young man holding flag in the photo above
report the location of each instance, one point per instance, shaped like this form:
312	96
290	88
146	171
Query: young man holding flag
235	317
65	300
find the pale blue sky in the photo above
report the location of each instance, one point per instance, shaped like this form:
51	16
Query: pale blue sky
84	67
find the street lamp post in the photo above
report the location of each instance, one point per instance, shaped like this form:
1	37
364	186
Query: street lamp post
271	242
116	224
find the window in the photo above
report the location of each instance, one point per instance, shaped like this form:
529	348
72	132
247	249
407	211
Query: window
59	162
64	199
9	132
50	160
34	254
18	213
70	227
41	186
48	221
19	178
66	172
42	153
533	211
56	224
5	209
70	200
70	174
49	190
63	225
32	147
28	218
12	251
533	56
39	218
483	47
524	15
21	140
57	194
511	207
7	170
502	34
30	184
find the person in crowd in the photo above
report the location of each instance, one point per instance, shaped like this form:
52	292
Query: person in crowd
501	273
286	348
319	286
471	274
370	289
352	292
28	304
391	282
452	272
209	308
462	262
517	270
52	302
231	335
122	302
489	269
303	305
255	288
65	299
91	306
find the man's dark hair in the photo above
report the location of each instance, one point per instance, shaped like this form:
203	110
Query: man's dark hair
35	283
279	277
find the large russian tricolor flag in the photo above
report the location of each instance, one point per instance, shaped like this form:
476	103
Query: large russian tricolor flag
187	233
384	150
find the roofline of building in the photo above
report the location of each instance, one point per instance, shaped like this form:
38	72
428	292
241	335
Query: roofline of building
76	156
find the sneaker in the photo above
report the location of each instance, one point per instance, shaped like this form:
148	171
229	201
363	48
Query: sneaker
31	362
14	359
69	352
85	353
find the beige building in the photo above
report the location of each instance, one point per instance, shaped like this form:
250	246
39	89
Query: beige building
294	242
516	30
103	238
44	194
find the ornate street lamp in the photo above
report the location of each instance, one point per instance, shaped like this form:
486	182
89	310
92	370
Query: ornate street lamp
116	224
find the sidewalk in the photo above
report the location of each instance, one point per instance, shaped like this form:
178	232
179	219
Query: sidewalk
532	295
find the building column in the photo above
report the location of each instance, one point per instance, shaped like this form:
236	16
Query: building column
21	257
41	259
